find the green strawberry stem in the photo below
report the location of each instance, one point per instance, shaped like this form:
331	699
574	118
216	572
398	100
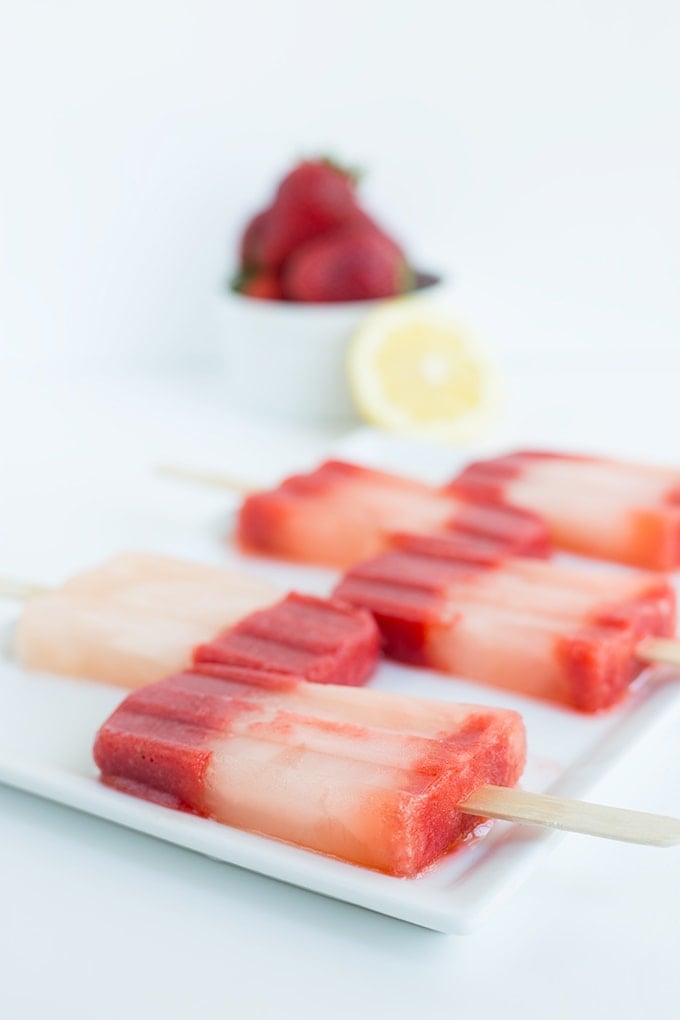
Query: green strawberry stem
352	173
242	278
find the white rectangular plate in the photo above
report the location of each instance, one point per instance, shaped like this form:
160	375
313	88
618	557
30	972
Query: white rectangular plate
47	726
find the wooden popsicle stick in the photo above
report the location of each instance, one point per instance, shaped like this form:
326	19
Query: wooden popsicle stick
215	481
20	590
514	805
659	650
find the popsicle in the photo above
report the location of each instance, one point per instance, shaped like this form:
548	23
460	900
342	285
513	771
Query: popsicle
341	513
369	777
139	617
604	508
568	634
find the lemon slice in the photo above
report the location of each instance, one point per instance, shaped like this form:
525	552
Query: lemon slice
414	369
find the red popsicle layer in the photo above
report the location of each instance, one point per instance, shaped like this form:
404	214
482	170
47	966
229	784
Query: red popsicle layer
609	509
548	631
365	776
342	513
322	640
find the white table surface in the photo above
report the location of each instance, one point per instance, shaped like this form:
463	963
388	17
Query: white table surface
102	922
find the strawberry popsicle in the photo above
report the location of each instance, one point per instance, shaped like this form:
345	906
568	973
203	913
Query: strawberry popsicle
369	777
139	617
597	507
341	513
561	633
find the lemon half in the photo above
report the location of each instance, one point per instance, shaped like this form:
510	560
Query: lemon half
415	369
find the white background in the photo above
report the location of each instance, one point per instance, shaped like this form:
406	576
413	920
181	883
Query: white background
531	150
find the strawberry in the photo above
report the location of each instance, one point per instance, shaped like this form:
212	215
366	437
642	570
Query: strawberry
251	240
321	188
350	264
361	220
314	198
260	284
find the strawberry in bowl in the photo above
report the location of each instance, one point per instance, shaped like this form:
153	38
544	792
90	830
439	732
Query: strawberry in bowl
310	266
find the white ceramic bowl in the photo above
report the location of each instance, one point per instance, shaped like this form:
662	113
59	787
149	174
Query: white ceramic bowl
287	360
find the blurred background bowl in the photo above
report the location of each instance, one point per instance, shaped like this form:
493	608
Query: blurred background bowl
287	360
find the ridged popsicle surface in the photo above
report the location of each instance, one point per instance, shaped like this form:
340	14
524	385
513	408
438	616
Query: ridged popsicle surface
322	640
